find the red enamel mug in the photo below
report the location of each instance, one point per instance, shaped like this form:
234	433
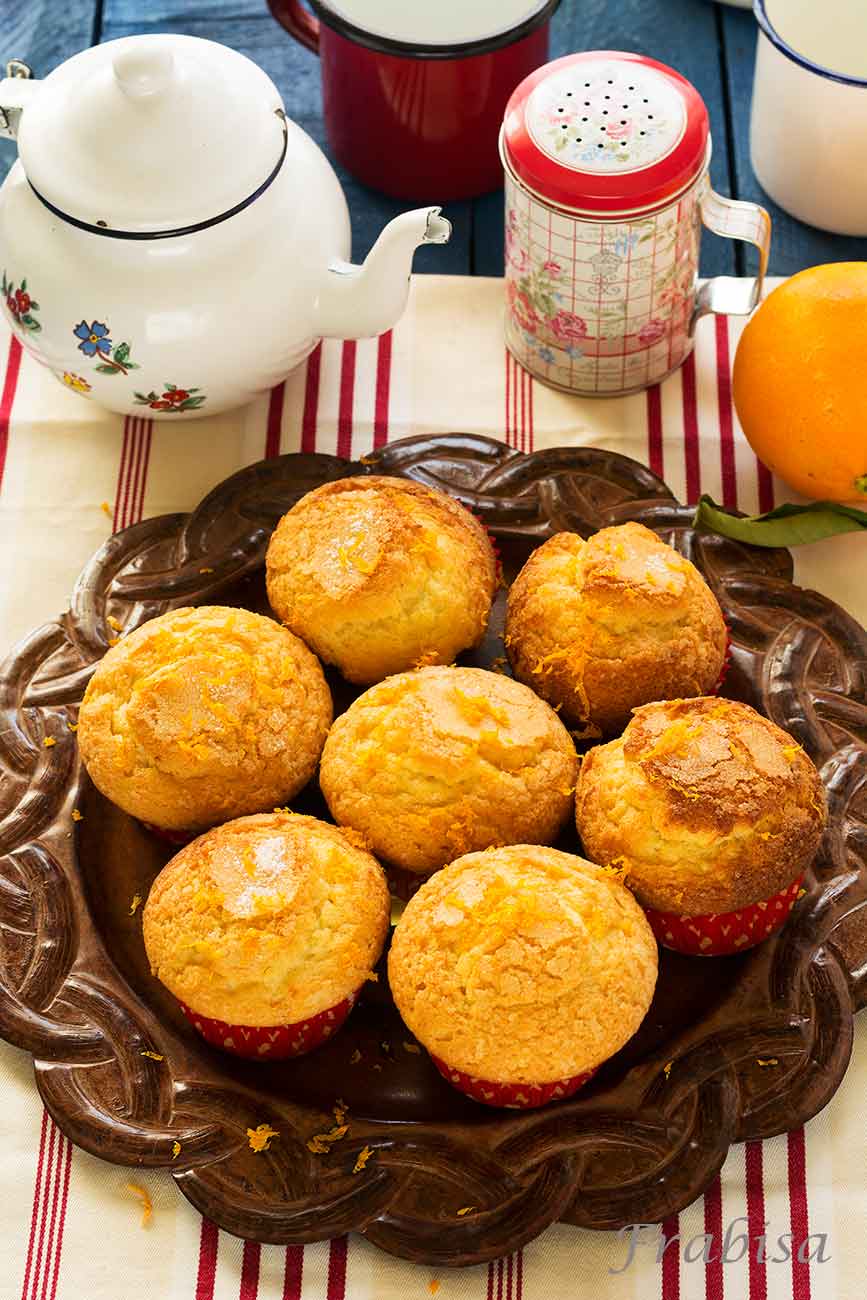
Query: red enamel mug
414	93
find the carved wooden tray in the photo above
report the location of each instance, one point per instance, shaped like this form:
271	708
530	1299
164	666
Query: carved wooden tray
643	1140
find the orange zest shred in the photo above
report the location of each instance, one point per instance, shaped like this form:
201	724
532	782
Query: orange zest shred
790	751
372	976
114	623
427	659
105	508
259	1138
340	1110
113	640
500	664
433	1285
176	1150
206	569
666	1069
49	741
72	726
147	1208
320	1144
135	904
77	816
464	1210
412	1047
363	1156
153	1056
588	732
766	1061
801	893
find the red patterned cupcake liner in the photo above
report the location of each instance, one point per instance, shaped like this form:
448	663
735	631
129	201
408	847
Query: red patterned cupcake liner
272	1042
178	838
512	1096
718	934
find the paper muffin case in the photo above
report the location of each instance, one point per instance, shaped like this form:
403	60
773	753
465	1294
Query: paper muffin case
272	1042
718	934
512	1096
178	838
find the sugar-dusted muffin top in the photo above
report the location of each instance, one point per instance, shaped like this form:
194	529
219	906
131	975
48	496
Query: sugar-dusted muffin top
204	714
523	965
377	574
706	804
267	920
441	761
603	625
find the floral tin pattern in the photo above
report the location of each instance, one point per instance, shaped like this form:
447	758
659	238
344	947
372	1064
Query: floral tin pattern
600	307
20	304
172	399
602	115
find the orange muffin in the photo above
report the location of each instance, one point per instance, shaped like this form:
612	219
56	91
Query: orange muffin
714	813
265	930
204	714
521	970
378	574
438	762
601	626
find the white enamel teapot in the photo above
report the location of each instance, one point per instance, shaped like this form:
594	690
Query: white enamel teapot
171	244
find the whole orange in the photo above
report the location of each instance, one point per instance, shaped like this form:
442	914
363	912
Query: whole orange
800	382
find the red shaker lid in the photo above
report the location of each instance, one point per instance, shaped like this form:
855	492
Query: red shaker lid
605	132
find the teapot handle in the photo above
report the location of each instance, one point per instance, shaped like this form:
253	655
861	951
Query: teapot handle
292	15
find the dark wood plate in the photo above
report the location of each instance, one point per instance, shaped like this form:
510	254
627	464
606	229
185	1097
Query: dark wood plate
733	1048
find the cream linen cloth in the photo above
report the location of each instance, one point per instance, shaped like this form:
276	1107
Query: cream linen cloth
69	473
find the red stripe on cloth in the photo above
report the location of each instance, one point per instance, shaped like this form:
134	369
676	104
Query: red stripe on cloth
523	424
690	431
138	503
121	474
275	420
798	1214
250	1271
490	1295
52	1223
347	396
531	432
208	1245
758	1273
508	420
654	431
34	1214
311	400
713	1227
499	1279
131	470
47	1184
766	487
63	1200
7	397
337	1268
726	419
294	1275
383	390
671	1259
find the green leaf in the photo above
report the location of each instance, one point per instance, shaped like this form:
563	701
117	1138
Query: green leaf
23	284
787	525
190	404
28	320
132	365
108	370
121	352
34	326
169	388
34	306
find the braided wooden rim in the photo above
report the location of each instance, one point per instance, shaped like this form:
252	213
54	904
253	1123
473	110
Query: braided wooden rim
642	1146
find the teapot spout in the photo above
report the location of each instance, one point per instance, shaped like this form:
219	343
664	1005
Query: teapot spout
361	301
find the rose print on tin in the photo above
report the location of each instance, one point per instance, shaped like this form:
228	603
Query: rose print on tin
172	400
22	307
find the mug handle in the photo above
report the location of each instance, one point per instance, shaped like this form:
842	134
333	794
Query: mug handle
732	295
292	15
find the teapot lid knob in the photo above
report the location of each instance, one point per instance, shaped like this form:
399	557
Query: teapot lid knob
143	70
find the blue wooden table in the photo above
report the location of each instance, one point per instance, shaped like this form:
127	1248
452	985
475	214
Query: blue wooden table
711	44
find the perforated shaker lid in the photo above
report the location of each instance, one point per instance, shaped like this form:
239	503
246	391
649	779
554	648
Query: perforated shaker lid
605	132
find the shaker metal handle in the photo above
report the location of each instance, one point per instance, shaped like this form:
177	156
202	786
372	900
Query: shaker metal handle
735	219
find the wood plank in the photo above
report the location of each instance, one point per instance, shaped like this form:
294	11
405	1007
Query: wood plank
43	33
681	33
295	71
794	245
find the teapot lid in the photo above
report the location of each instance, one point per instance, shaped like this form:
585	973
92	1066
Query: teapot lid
606	132
147	136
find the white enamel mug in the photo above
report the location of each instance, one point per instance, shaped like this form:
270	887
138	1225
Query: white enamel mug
808	132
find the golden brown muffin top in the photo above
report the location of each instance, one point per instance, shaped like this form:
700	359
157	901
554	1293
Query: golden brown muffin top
707	804
201	713
375	572
598	625
523	965
267	920
434	763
